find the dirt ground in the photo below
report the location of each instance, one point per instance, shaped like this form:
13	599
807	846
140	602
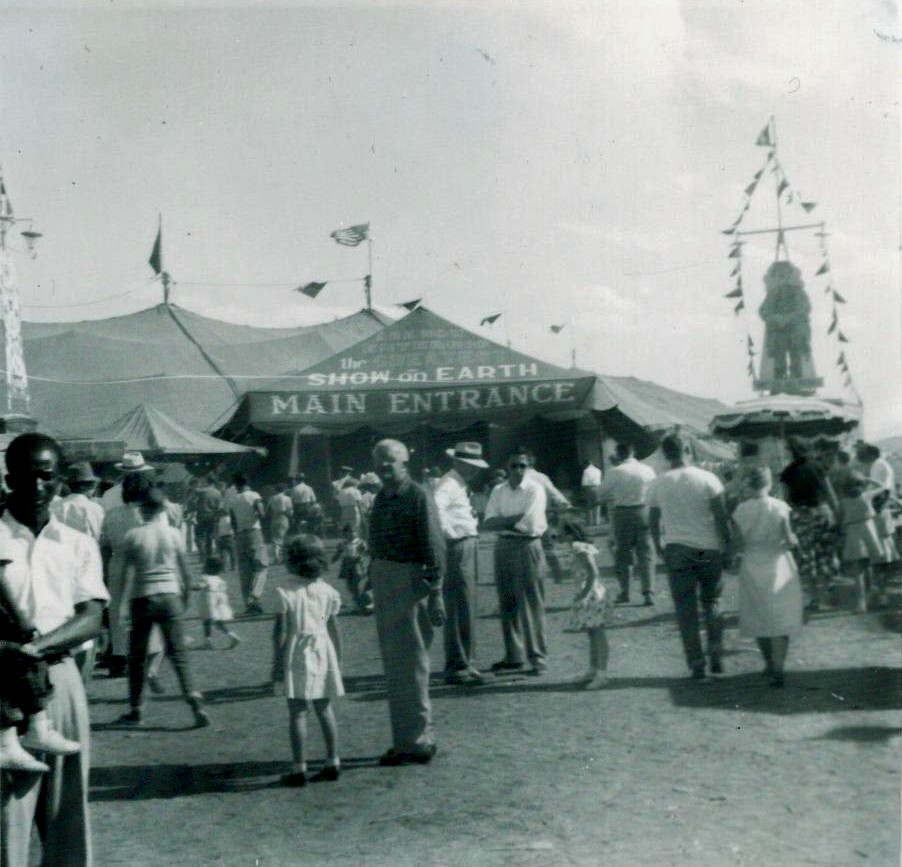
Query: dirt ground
654	770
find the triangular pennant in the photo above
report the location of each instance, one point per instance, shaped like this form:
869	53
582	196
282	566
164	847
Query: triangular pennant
749	342
311	290
757	176
739	306
736	269
730	231
751	188
490	320
736	293
838	298
843	338
842	358
735	252
809	206
557	329
834	324
763	139
782	186
156	254
410	305
751	369
824	269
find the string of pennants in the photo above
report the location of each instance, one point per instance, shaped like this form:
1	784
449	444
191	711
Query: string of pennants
787	194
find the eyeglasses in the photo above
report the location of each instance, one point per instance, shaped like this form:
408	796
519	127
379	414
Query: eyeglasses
518	466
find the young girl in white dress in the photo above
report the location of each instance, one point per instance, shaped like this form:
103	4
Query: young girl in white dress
770	593
215	608
308	649
590	610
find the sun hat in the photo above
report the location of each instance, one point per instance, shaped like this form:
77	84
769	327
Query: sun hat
80	472
469	453
133	462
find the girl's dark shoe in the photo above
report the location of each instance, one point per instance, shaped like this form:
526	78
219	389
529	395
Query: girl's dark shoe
329	774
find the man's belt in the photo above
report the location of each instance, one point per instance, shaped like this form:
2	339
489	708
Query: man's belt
519	536
461	539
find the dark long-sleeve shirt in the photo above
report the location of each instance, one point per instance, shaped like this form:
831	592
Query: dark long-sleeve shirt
404	528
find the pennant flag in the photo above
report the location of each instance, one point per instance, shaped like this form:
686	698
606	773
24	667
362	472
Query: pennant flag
834	324
751	188
730	231
352	236
848	382
411	305
842	358
490	320
6	206
736	293
763	139
760	172
782	186
750	369
824	269
843	338
736	269
749	342
156	255
311	290
736	252
809	206
557	329
838	298
739	306
790	198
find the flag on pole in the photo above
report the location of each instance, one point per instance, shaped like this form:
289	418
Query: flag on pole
411	305
738	307
311	290
838	298
490	320
809	206
763	139
557	329
736	293
156	255
842	337
824	269
352	236
736	252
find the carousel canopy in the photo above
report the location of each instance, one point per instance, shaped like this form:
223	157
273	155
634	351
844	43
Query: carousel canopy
786	415
424	370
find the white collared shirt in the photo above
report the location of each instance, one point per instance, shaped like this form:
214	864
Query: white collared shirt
591	477
455	512
552	494
883	474
81	513
627	484
529	500
112	498
52	573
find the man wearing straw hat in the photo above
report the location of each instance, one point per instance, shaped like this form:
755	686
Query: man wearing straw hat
459	527
132	462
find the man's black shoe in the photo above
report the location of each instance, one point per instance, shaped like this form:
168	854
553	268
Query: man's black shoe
504	665
420	756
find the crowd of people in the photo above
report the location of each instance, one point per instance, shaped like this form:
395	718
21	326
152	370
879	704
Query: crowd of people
76	572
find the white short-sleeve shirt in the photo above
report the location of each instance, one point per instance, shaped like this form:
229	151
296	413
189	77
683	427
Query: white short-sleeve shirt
52	573
684	497
528	499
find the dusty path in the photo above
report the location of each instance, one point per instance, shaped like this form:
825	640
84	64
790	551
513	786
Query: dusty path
653	771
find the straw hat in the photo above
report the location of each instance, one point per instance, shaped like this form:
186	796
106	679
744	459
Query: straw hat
133	462
469	453
80	472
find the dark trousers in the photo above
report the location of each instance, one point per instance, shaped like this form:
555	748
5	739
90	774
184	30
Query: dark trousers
25	683
632	537
205	536
696	576
168	611
459	590
519	580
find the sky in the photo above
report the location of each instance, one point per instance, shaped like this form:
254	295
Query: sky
559	162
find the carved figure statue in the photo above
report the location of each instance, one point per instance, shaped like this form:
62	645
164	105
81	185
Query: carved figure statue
786	311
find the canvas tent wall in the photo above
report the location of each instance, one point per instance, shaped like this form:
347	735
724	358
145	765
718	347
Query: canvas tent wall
430	382
87	374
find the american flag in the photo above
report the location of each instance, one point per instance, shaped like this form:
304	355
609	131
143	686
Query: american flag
352	236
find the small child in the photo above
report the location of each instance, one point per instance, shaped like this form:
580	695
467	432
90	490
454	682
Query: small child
590	610
888	564
307	653
215	608
225	541
861	545
770	592
24	694
352	552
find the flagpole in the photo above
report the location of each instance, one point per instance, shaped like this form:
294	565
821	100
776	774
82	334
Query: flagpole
368	283
164	275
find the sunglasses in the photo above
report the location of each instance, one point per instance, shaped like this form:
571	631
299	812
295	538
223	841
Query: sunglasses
518	466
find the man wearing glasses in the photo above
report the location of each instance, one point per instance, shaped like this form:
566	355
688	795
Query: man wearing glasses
516	512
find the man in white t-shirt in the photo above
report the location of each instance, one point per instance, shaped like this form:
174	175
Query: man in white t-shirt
246	509
877	468
689	502
516	512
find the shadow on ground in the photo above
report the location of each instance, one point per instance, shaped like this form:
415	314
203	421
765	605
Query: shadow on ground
144	782
861	734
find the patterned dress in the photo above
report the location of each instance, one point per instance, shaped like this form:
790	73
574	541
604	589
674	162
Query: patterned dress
593	609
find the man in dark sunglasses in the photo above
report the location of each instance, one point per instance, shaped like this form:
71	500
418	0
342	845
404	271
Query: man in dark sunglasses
516	512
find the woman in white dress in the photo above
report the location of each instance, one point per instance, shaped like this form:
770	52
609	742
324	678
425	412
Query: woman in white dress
770	594
308	648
